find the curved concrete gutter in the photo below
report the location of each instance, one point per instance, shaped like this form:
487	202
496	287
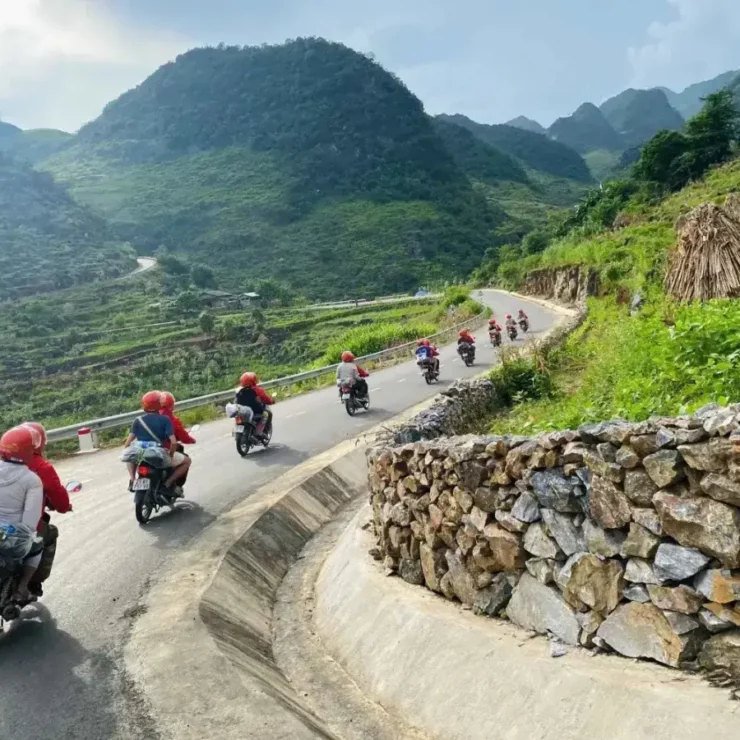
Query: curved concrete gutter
458	676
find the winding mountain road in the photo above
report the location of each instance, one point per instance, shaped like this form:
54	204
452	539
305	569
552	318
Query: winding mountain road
61	673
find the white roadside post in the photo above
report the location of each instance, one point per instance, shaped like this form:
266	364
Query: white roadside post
87	440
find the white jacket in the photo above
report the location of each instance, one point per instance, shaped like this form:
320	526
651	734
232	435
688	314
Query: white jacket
21	495
347	372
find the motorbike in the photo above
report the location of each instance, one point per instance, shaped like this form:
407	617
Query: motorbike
245	431
512	332
467	353
524	325
495	337
11	567
428	369
352	402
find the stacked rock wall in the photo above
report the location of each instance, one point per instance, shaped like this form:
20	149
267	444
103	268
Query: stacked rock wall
618	536
571	284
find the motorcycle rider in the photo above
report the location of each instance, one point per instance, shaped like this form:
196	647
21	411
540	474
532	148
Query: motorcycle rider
464	337
251	395
426	350
55	498
350	373
523	319
151	428
510	323
21	496
183	437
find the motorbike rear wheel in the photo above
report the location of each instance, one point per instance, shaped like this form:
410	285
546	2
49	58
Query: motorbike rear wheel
244	442
144	506
350	405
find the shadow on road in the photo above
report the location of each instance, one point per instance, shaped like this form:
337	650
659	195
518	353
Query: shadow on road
55	672
171	528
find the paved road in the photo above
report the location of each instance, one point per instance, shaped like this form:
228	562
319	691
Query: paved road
61	675
374	302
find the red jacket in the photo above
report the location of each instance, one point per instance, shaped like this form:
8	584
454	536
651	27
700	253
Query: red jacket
181	434
55	493
362	372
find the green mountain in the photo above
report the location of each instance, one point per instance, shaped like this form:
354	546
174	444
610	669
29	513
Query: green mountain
47	240
639	114
534	150
527	124
478	160
586	130
689	102
306	162
8	131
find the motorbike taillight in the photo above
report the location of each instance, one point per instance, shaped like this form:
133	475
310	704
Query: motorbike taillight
144	470
239	420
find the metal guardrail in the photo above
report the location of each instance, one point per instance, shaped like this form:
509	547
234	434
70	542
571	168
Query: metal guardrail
121	420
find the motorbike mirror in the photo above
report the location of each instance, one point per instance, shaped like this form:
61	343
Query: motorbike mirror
194	428
74	486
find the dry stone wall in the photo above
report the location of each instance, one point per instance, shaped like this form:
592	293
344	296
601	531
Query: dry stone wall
616	536
572	284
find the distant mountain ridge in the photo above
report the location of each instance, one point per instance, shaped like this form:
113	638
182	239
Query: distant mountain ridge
587	130
527	124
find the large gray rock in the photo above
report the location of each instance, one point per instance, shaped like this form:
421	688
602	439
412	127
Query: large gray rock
604	542
721	488
490	601
681	623
710	457
721	422
642	631
462	582
588	580
712	623
719	585
506	549
411	571
608	504
627	458
664	468
639	487
508	521
645	444
538	543
542	609
640	571
676	563
526	508
681	599
603	468
640	543
564	531
708	525
554	491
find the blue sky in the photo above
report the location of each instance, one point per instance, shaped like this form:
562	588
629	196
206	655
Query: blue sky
62	60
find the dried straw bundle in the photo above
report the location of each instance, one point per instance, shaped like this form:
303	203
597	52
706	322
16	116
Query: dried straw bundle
706	263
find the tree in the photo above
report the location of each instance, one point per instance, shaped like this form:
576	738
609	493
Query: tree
172	264
659	160
187	302
535	242
202	276
712	131
207	322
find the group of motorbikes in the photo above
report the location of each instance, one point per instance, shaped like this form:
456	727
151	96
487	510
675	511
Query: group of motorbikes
494	334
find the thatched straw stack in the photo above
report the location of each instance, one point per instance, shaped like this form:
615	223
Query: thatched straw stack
706	263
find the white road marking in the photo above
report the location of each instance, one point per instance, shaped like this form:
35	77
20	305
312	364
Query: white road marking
372	390
297	413
403	380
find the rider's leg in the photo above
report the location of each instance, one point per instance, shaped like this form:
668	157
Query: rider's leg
180	466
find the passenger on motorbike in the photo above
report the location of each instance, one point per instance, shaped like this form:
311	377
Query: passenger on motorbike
183	437
465	339
426	350
21	500
350	373
493	325
522	316
250	394
510	321
151	428
56	498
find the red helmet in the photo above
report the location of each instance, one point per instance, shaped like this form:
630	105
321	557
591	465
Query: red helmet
249	380
39	430
19	444
492	320
348	356
151	402
462	332
167	400
426	342
419	342
508	315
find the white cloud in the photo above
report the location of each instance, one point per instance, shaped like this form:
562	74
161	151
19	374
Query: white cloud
700	42
41	41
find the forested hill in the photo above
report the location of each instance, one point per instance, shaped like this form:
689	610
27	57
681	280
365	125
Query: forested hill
534	150
307	162
47	240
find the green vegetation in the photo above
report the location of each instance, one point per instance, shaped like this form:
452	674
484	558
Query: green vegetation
305	162
665	359
33	145
527	124
603	164
47	240
81	354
